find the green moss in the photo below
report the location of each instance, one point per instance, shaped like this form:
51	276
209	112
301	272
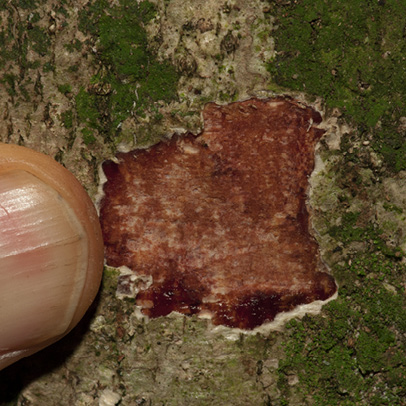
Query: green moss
352	54
133	75
67	119
342	358
27	4
74	46
73	68
348	230
39	40
24	93
392	207
34	17
109	281
18	39
65	88
88	114
353	354
48	67
10	81
88	136
86	107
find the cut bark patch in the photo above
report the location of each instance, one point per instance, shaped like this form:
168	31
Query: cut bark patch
219	220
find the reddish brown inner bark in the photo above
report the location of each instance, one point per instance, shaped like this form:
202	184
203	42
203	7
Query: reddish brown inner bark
220	220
